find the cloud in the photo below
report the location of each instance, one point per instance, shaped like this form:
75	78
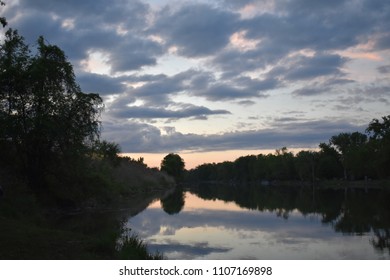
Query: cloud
131	15
310	91
196	30
385	69
205	84
134	54
226	92
316	66
137	112
102	84
187	251
135	137
322	27
327	87
82	26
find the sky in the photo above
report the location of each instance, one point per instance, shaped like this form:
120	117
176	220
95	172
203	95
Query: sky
213	80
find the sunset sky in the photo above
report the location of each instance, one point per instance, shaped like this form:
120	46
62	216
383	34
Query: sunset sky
213	80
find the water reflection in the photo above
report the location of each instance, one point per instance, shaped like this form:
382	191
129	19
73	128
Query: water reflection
222	222
173	203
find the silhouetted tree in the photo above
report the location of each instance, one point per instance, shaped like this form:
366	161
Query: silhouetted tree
351	147
173	165
379	132
329	162
107	151
44	114
306	164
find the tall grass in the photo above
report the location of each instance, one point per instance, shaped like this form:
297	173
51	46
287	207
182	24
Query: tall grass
131	247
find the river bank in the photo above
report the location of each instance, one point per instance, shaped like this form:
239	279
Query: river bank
72	224
83	234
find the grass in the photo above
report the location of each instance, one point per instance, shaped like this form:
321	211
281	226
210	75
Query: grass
131	247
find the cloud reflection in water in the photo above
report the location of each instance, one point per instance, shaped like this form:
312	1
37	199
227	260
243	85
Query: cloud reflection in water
225	231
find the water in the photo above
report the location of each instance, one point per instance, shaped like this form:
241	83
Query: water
224	222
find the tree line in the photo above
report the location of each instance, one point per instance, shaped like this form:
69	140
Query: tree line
348	156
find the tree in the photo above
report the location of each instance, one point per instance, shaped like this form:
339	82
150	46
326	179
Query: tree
107	151
44	114
379	132
351	147
173	165
329	163
306	165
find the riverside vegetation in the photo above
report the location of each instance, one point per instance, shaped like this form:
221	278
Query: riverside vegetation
53	162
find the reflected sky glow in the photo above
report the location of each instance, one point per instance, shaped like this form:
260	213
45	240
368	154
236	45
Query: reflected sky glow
194	203
218	230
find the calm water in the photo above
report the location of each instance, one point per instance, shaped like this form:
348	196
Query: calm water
224	222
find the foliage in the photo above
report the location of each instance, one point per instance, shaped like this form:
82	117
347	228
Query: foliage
132	247
351	148
379	133
173	165
45	116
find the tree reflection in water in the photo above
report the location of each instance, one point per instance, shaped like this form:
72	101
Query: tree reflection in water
353	213
174	202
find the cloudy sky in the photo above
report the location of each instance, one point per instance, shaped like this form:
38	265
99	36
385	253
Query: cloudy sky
212	80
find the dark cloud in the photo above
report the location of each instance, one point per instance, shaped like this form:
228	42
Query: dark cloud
324	87
385	69
310	91
246	102
134	137
366	95
200	83
80	27
137	112
319	88
222	91
102	84
162	87
134	54
130	15
316	66
235	62
197	30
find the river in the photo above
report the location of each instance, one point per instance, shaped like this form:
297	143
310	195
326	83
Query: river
228	222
